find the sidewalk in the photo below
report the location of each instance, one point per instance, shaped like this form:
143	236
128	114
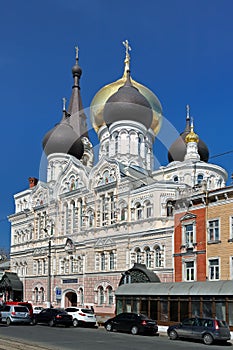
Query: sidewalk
10	344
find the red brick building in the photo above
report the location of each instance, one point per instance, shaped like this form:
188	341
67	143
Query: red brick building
190	242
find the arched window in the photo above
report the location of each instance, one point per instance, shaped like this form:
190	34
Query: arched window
148	209
110	295
36	292
73	215
66	218
199	178
138	211
158	257
102	257
176	179
148	257
81	296
111	261
90	218
138	255
169	208
101	295
42	294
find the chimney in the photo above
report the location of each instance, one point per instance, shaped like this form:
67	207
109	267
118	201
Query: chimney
32	182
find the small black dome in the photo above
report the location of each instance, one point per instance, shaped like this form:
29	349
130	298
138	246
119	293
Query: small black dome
63	139
128	104
76	70
177	151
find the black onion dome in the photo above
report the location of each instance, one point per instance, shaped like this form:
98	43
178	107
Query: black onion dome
63	139
178	149
128	104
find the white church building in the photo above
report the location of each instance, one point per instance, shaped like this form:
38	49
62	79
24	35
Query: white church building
74	235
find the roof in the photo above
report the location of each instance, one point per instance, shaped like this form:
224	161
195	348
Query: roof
11	280
177	288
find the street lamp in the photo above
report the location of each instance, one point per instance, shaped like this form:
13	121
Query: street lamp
49	275
49	264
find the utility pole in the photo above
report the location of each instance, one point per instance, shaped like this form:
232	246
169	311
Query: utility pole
49	276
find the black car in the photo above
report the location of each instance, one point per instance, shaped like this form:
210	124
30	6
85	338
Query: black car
206	329
53	317
131	322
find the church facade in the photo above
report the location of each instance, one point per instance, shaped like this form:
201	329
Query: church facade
74	235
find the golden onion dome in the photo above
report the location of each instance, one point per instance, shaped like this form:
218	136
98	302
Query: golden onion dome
99	100
192	137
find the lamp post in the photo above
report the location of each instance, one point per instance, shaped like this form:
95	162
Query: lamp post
49	275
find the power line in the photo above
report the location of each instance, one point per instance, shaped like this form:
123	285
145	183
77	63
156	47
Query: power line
221	154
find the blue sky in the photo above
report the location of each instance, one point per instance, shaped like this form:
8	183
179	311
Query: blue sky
181	49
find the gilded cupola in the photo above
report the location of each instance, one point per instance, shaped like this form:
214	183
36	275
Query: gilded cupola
103	95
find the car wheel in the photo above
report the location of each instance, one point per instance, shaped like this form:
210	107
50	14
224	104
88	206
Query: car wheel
8	321
51	323
208	339
108	327
34	321
173	335
75	322
134	330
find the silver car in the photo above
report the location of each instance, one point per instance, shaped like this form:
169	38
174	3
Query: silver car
15	314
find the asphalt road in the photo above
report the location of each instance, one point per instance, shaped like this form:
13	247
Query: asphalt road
59	338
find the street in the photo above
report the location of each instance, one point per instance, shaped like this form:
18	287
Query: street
59	338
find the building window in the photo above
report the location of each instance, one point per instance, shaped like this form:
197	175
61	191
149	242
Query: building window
110	295
66	218
112	208
213	234
231	267
169	208
104	210
73	215
188	235
176	179
101	295
148	209
124	214
111	261
158	257
231	228
102	257
214	269
138	256
189	271
148	257
36	294
42	294
199	178
81	296
138	211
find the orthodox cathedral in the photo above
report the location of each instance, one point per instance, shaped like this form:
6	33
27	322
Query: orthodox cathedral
74	235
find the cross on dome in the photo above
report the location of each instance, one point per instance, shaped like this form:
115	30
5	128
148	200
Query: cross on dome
127	55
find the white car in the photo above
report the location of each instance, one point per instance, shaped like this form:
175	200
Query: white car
82	316
37	309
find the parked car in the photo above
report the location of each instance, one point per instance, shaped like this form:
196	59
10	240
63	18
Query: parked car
37	309
15	314
22	303
131	322
82	316
53	317
206	329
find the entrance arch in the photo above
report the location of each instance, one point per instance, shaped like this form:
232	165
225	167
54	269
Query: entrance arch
70	298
